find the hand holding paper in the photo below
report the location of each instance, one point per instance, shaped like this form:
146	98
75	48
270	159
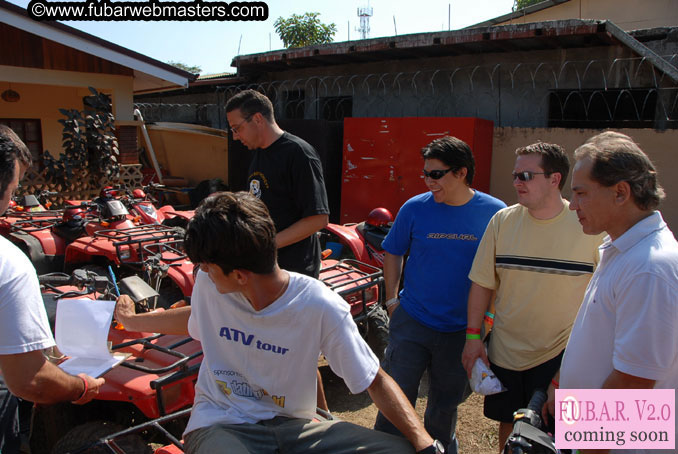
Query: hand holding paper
82	327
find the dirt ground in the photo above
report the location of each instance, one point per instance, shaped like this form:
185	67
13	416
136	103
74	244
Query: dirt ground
477	434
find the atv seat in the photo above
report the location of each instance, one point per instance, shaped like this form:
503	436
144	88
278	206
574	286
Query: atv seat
373	235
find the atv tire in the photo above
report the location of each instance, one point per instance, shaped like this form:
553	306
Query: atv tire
377	331
82	439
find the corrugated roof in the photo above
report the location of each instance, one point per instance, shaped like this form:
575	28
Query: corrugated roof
559	34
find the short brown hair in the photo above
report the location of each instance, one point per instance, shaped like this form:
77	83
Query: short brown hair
233	231
616	158
250	102
553	159
12	149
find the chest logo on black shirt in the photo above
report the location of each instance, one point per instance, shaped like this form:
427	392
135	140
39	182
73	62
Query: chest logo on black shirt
257	180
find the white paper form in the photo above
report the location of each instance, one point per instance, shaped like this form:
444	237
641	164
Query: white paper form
82	327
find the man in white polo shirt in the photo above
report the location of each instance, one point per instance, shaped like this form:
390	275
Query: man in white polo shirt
626	332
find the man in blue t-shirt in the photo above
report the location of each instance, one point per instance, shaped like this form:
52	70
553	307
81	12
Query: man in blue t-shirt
441	229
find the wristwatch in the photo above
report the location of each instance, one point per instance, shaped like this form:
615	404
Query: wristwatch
436	448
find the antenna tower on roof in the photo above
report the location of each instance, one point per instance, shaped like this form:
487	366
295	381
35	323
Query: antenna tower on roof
364	14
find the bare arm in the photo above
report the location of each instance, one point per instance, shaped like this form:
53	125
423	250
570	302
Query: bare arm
479	299
393	268
301	229
393	404
173	321
321	401
30	376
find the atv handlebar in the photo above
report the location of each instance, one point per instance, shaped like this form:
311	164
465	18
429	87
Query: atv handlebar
80	278
537	401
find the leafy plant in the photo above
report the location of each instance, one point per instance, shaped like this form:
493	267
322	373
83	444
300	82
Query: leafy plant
193	69
89	144
520	4
306	30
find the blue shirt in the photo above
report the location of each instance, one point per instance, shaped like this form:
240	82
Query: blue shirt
442	241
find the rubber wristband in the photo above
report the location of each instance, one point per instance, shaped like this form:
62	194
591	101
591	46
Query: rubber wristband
473	336
84	382
555	384
472	330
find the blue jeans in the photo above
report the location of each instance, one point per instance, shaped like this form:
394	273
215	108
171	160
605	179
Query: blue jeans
10	440
414	348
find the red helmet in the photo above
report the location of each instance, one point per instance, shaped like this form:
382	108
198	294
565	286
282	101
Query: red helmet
139	194
108	191
73	213
379	217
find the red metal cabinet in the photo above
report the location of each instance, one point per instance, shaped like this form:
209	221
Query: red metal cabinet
382	163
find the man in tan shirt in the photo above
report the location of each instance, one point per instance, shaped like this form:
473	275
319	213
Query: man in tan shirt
538	261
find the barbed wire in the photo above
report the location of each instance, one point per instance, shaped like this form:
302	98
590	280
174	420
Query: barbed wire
534	94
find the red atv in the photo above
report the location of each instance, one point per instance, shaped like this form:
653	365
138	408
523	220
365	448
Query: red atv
140	203
157	379
44	234
362	287
361	241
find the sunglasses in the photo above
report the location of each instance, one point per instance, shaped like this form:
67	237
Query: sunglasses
436	174
526	175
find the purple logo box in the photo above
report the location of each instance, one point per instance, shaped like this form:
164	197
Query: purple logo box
615	418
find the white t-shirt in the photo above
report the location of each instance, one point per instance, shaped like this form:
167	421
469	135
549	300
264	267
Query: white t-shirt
629	318
261	364
23	321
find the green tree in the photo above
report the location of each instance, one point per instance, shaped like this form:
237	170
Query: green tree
306	30
185	67
520	4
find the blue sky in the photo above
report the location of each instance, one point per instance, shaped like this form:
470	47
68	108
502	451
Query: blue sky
212	45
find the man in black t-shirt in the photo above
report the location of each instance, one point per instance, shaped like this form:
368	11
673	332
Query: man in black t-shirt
286	174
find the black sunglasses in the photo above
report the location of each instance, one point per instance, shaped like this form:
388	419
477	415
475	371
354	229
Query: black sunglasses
436	174
527	175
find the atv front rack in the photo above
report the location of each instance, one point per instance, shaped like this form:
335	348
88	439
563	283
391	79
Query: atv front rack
180	366
110	442
34	224
350	276
169	251
133	240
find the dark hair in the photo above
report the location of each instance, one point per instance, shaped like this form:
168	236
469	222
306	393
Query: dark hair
12	149
616	158
553	159
250	102
233	231
452	152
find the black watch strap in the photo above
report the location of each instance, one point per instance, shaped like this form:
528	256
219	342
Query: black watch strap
435	448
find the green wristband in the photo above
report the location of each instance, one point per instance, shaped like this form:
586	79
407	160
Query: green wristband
473	336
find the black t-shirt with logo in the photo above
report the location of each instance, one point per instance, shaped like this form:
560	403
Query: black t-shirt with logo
287	176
